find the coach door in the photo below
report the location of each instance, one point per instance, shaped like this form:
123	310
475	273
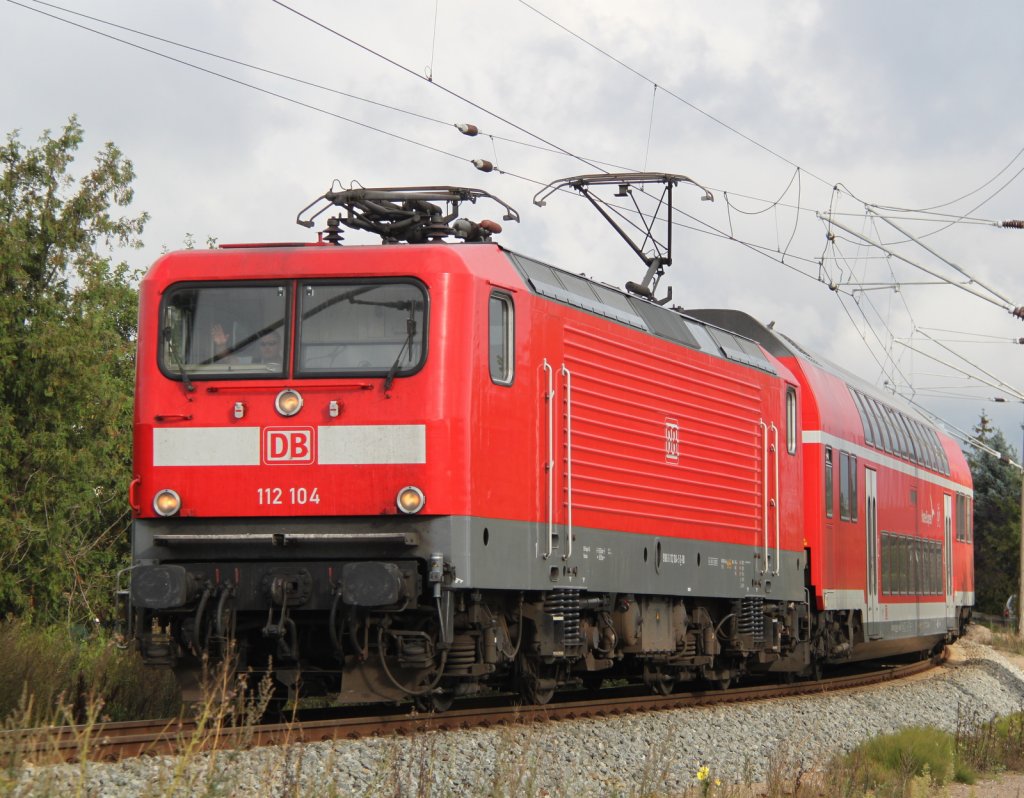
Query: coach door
871	527
947	509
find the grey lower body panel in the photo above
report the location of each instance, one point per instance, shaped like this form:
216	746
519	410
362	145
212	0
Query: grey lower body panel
489	554
899	643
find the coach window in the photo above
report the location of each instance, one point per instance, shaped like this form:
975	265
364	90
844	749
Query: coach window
791	419
847	487
884	438
865	419
828	482
853	487
500	337
899	445
844	494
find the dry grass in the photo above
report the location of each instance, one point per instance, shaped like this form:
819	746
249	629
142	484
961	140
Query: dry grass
55	679
49	668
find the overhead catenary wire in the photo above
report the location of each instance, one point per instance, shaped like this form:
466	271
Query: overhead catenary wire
966	437
993	383
874	213
671	93
968	287
885	349
1005	386
214	73
961	198
297	80
451	92
243	83
763	250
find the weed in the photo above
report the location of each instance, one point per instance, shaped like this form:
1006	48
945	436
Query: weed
56	667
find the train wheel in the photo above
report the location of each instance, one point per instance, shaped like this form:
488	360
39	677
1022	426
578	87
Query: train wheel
659	682
435	702
537	691
537	682
719	679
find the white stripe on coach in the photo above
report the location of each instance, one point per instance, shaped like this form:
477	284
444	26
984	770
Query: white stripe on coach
882	459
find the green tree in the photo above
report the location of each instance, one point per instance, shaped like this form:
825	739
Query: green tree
67	333
996	519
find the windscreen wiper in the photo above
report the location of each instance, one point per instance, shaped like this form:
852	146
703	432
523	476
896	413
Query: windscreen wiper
410	326
177	360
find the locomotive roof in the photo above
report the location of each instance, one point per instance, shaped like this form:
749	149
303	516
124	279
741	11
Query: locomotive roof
781	345
614	303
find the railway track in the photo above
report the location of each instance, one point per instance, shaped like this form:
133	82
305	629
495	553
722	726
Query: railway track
115	741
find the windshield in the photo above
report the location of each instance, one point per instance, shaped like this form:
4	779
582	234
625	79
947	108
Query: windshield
361	327
225	330
345	328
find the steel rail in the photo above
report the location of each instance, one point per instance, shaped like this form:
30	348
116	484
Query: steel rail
116	741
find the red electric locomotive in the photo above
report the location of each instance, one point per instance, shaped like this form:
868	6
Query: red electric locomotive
427	469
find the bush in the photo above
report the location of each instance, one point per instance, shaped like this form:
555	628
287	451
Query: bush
888	765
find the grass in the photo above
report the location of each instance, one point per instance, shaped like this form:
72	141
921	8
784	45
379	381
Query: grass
56	678
1007	641
46	668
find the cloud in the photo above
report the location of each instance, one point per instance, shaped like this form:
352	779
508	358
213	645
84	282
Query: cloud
908	105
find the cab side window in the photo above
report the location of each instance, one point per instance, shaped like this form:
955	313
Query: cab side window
501	338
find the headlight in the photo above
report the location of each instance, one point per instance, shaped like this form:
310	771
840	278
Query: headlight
288	402
166	502
410	500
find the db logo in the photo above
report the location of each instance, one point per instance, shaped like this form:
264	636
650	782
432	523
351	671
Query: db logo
288	445
671	440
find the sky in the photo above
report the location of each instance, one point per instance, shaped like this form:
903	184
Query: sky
791	114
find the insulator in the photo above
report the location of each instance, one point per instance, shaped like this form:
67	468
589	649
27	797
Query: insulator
1019	341
1015	224
333	233
466	129
482	165
490	227
1018	312
464	228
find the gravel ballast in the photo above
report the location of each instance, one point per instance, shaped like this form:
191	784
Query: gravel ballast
651	753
